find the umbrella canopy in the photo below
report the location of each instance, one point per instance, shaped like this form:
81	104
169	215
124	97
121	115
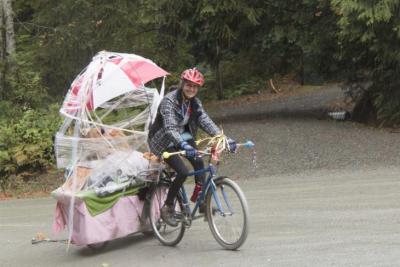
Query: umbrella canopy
110	75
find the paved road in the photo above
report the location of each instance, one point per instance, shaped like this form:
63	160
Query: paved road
318	218
325	193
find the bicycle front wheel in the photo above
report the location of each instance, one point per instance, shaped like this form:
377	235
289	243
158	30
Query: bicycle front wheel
228	221
166	234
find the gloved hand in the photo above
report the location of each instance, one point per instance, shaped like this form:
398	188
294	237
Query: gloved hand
232	145
189	150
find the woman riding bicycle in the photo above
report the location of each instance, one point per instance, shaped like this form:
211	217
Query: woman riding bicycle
175	127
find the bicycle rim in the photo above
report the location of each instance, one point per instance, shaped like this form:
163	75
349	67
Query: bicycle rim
166	234
230	225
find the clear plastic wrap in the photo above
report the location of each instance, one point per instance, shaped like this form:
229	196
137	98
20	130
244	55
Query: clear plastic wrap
102	144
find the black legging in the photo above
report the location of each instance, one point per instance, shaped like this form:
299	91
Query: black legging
176	163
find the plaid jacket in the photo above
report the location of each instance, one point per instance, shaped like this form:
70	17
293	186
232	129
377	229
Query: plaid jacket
166	127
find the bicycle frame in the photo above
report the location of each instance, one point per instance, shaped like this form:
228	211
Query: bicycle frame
229	231
208	185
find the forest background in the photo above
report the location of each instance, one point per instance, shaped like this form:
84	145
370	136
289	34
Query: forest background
238	44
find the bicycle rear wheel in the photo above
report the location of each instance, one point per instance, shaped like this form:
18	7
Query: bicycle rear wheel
229	224
166	234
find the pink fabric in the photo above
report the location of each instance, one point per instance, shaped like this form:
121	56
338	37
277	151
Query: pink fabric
136	69
59	219
119	221
75	88
142	71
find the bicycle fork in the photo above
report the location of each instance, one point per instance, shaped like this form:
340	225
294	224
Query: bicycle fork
217	200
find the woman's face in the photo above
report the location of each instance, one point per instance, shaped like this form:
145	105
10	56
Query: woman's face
189	89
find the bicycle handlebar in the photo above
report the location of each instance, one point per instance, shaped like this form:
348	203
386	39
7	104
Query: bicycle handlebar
166	155
248	144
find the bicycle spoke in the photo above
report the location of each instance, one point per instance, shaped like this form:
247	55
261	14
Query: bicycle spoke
226	199
229	225
166	234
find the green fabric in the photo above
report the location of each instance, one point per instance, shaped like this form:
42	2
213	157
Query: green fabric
97	205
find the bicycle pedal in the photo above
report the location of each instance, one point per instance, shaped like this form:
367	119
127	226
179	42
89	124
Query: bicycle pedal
187	224
180	218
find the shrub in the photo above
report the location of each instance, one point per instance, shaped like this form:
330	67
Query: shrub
27	145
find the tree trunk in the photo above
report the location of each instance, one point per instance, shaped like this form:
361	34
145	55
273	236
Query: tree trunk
2	49
218	76
220	89
364	110
302	68
7	43
9	27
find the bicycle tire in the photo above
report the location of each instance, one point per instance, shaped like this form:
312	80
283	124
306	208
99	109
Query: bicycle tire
162	231
239	209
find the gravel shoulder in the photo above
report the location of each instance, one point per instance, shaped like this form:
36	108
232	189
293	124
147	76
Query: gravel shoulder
309	102
293	145
294	134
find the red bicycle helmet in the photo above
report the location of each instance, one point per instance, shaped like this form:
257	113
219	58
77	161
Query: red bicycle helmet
193	75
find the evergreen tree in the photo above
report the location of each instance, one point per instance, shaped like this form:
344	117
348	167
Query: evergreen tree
370	35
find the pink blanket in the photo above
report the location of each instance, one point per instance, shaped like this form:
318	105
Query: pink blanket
122	219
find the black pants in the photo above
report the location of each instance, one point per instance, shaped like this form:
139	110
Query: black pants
176	162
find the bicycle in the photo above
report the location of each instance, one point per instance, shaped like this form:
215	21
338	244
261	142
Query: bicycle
225	202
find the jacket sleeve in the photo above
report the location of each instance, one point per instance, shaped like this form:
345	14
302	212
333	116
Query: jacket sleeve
171	122
205	122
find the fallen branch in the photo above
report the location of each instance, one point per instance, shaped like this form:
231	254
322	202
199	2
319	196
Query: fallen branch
277	91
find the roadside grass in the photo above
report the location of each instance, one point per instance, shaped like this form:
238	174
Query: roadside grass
34	185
